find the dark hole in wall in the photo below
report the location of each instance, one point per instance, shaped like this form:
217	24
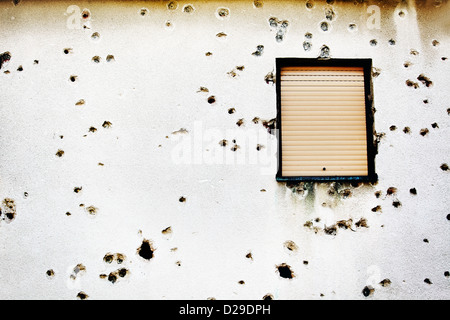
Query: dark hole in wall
285	271
145	250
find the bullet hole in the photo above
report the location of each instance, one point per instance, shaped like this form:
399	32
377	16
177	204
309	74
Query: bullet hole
345	193
20	69
435	125
172	5
324	52
444	58
110	58
96	59
344	224
324	26
108	258
425	80
68	213
240	68
448	111
263	190
307	45
232	73
367	291
106	124
391	190
82	296
73	78
80	102
259	147
310	4
290	245
180	131
329	14
407	64
376	209
178	263
444	167
168	24
270	125
376	72
85	14
413	84
406	130
188	8
59	153
330	1
448	216
208	54
9	209
211	99
50	273
146	250
361	223
425	240
91	210
259	50
143	12
221	35
424	132
414	52
241	282
373	42
401	14
393	128
240	122
95	36
331	230
231	110
352	27
79	268
222	13
16	2
413	191
36	62
397	204
269	78
391	42
203	89
427	281
249	256
273	22
285	271
235	148
167	231
435	43
385	283
77	189
257	4
425	101
182	199
268	297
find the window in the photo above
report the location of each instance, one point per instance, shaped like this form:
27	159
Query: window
324	113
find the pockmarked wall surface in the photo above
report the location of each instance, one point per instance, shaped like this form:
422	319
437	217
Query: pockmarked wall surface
138	152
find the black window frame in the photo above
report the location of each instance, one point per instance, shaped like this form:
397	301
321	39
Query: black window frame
366	64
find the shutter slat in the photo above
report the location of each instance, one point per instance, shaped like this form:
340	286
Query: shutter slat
309	77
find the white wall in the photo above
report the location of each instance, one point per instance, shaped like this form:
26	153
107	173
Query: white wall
149	91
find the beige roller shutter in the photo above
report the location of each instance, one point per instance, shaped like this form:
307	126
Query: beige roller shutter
323	121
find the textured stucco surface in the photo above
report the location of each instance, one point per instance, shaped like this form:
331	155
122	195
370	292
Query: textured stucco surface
232	208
